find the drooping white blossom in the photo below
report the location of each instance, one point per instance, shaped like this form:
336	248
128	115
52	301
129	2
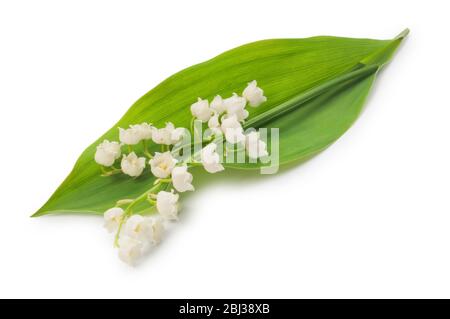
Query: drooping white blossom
147	230
163	135
182	179
112	218
162	164
139	227
107	152
132	164
167	135
232	129
177	134
211	159
157	230
255	147
214	124
130	249
201	110
130	136
253	94
144	130
214	121
235	105
167	205
217	105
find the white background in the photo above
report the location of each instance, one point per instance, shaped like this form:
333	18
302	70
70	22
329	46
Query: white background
369	217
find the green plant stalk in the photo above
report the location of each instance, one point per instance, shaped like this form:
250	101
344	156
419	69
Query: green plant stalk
129	210
297	101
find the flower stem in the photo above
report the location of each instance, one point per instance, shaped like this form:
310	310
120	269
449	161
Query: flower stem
192	125
146	152
113	171
162	180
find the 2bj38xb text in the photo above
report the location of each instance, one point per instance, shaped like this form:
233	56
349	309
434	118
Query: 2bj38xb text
236	309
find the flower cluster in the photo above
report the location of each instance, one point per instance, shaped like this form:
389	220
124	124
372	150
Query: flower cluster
225	116
136	231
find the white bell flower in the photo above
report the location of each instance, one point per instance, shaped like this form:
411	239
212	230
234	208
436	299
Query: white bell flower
234	135
182	179
144	130
132	165
177	134
235	105
157	230
130	249
163	135
233	130
201	110
167	135
138	227
162	164
107	152
130	136
167	205
214	121
217	105
214	124
211	159
255	147
145	229
112	217
253	94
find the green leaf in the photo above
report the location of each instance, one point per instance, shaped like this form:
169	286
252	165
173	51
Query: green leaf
316	87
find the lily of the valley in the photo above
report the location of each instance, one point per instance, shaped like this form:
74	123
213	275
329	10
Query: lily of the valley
255	147
157	230
214	124
253	94
113	217
135	133
107	152
217	105
211	159
177	134
232	129
235	105
167	135
139	233
214	121
135	233
144	130
201	110
130	136
182	179
167	205
130	249
132	164
138	227
145	229
162	164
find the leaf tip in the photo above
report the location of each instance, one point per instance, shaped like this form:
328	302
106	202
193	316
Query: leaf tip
403	34
40	212
37	214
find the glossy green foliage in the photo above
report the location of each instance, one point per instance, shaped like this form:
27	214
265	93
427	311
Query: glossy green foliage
316	87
